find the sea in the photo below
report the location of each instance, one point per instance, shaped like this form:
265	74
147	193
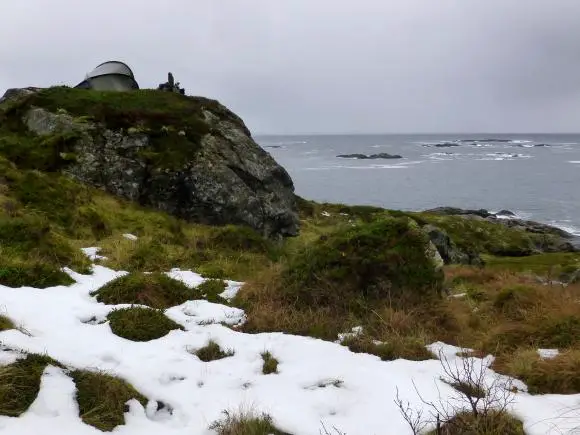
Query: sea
536	176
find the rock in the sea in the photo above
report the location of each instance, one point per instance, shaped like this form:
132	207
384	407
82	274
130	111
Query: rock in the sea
372	156
505	213
449	252
188	156
447	145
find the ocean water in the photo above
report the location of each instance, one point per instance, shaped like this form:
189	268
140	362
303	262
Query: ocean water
536	176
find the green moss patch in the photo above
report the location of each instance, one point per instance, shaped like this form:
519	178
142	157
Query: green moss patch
155	290
32	274
399	347
212	351
140	324
552	264
270	364
211	289
102	399
20	383
370	262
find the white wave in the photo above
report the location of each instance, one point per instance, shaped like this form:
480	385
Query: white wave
520	141
566	227
574	161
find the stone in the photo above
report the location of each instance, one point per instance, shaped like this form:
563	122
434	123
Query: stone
447	249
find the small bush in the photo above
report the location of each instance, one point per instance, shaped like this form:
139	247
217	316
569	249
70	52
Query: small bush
212	351
363	264
270	364
398	347
102	399
140	324
156	290
491	423
211	289
5	323
20	383
245	423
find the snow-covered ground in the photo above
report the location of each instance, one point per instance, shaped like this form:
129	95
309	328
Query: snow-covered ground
319	382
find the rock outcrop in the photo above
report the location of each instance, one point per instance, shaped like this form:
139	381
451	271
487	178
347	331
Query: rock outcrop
188	156
551	239
448	250
371	156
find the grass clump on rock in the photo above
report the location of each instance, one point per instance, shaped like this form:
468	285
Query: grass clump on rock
20	383
5	323
245	423
156	290
212	351
211	289
102	399
270	364
387	258
489	423
140	323
409	348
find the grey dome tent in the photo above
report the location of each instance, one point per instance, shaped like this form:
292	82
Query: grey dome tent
110	76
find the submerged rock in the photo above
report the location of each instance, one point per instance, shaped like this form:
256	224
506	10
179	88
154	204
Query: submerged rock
372	156
187	156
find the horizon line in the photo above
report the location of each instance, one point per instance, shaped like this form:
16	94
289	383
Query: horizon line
413	133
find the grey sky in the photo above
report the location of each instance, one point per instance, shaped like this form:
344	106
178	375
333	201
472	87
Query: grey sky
291	66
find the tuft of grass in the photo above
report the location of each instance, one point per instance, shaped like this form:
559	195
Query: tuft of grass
212	351
102	399
6	323
270	364
20	383
550	264
211	289
140	323
469	389
490	423
398	347
245	423
156	290
559	375
32	274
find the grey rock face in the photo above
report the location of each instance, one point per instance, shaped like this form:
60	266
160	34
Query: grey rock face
449	252
232	180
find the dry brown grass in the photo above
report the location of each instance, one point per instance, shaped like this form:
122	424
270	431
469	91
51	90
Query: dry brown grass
245	422
494	423
559	375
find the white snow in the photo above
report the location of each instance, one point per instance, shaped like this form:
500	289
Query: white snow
319	382
325	214
93	253
130	236
548	353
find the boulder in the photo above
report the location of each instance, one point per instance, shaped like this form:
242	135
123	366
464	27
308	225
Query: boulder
449	252
187	156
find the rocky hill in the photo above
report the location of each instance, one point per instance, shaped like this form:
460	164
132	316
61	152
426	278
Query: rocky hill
188	156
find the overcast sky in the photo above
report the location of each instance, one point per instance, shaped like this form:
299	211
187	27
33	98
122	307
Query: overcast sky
321	66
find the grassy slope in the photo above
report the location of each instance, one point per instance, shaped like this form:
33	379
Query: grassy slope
45	218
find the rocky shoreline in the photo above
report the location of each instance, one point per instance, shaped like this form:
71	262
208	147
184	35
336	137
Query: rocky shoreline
567	242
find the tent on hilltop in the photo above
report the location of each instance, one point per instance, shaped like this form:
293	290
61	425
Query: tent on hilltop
110	76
